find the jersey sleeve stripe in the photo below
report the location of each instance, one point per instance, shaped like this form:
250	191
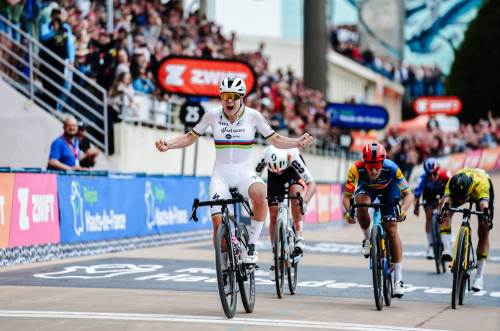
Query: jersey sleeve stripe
195	133
271	135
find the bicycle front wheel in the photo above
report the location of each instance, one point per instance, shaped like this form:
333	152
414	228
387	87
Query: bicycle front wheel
458	268
279	257
376	261
247	287
228	300
436	246
388	283
293	273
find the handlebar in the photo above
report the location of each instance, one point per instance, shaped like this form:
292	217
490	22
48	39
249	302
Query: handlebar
468	211
220	202
298	197
353	206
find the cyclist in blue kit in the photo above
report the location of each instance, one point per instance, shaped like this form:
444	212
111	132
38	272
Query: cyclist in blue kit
378	178
431	184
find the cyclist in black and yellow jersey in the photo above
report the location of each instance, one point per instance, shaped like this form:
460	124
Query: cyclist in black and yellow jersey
469	185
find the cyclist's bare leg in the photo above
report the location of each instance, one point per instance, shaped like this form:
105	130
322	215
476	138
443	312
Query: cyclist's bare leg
391	233
273	216
217	220
257	193
296	211
362	212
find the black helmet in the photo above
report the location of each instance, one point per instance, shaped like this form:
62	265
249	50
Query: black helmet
461	185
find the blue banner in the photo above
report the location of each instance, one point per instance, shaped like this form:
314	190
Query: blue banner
109	208
357	116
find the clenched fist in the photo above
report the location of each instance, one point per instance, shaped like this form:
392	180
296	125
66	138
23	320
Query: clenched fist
161	145
306	140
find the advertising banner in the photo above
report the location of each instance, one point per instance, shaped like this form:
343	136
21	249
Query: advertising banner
437	105
359	141
357	116
6	193
311	216
456	162
323	196
108	208
472	159
336	209
35	216
201	77
489	158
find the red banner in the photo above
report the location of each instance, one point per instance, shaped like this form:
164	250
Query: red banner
456	162
359	141
201	77
437	105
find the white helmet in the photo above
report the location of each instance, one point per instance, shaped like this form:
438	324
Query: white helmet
233	85
276	159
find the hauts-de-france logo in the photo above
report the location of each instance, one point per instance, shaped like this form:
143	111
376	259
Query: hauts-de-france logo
77	203
149	198
90	196
157	216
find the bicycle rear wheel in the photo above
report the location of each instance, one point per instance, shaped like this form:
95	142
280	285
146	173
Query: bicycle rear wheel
228	301
293	273
376	260
247	287
436	244
458	268
279	257
388	283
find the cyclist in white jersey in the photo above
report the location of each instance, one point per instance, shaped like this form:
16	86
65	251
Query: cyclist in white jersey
233	126
286	166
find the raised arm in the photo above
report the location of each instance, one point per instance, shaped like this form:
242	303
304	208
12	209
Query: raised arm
180	142
286	143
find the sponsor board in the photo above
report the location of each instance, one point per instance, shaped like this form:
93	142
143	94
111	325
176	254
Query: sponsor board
311	216
336	209
35	210
456	162
323	196
472	159
201	77
489	158
6	194
110	208
437	105
357	116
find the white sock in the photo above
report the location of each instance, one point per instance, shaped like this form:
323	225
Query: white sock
255	230
367	233
398	274
299	227
480	269
224	260
446	238
429	239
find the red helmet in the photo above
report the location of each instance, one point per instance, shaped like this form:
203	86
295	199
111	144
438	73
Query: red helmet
374	153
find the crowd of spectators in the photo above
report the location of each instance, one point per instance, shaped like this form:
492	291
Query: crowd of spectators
412	147
144	32
425	80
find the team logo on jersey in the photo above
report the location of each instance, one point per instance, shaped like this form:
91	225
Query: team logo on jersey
399	175
228	136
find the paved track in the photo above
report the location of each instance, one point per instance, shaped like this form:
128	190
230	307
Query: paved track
172	287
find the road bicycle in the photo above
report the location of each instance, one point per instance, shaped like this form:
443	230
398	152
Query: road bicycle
380	253
437	243
286	255
238	271
464	259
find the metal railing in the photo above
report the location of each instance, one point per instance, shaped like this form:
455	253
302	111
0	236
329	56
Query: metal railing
29	87
161	114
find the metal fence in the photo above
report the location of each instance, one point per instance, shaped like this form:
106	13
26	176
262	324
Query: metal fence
22	72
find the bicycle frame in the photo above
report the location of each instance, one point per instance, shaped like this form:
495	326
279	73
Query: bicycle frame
284	213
